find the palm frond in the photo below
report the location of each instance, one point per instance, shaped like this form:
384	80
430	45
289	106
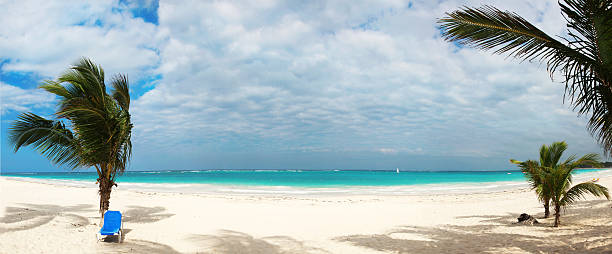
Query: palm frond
56	88
590	26
91	72
555	150
588	86
544	155
121	92
531	170
584	59
591	159
506	32
570	160
578	192
50	138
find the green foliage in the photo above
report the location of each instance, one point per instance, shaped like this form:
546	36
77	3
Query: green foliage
552	180
99	128
550	157
584	58
50	138
578	191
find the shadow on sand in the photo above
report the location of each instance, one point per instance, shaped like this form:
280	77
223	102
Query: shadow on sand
228	241
497	234
141	214
115	238
138	214
136	246
30	216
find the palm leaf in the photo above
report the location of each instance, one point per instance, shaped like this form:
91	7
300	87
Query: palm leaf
580	190
50	138
531	170
588	86
121	92
591	159
556	150
490	28
584	60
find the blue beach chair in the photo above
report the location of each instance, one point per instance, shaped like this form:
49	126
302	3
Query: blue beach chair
113	224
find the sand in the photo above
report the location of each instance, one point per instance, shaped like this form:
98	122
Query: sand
48	217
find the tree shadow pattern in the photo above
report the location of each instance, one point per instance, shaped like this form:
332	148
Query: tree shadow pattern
30	216
228	241
495	235
141	214
136	246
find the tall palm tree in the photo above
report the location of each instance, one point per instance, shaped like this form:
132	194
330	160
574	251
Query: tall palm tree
583	57
550	158
551	178
91	127
563	193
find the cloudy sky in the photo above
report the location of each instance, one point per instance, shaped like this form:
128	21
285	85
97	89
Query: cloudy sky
292	84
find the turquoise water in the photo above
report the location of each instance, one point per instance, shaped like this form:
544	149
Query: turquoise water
298	178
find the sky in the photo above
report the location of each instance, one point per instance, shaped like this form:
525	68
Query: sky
292	84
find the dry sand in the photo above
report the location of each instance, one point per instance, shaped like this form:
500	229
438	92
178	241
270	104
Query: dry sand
54	218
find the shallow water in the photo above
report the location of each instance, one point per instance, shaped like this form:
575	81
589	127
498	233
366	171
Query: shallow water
298	178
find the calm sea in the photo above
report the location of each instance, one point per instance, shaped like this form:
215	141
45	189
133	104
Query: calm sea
297	178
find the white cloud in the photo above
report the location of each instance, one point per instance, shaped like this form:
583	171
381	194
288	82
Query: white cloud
13	98
46	37
309	76
324	82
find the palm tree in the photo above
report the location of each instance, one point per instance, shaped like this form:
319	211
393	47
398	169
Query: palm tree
91	128
560	179
584	57
551	178
550	157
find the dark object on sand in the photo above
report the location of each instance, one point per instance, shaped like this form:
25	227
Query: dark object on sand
527	219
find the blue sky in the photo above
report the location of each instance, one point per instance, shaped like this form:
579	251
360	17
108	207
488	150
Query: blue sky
277	84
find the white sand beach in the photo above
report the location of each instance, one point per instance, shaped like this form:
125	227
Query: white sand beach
46	217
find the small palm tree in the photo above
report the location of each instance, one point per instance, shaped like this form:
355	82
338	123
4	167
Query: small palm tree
563	194
91	129
584	57
551	179
550	157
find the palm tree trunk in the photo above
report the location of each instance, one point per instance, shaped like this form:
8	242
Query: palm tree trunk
106	187
546	209
557	215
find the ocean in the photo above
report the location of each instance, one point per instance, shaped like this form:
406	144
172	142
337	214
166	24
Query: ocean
297	178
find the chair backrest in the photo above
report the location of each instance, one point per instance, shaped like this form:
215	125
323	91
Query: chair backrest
112	220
